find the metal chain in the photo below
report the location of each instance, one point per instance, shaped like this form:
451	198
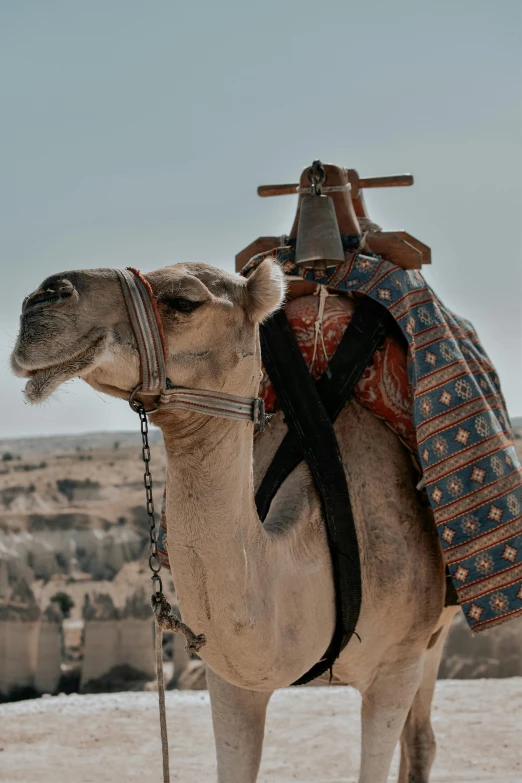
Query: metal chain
154	560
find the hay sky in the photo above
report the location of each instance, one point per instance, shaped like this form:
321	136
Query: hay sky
136	133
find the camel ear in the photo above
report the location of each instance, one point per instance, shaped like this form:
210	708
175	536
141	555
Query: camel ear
266	289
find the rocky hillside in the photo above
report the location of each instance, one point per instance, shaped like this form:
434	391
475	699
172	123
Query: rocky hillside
74	506
65	444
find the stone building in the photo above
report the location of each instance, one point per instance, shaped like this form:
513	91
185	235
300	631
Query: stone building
49	651
118	644
19	629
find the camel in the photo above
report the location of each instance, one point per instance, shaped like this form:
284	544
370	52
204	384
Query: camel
262	595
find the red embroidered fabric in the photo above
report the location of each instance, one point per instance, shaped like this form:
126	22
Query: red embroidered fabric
384	387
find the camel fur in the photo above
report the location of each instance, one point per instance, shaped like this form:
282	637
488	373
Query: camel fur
262	595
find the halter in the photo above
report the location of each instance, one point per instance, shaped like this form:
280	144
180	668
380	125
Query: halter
150	338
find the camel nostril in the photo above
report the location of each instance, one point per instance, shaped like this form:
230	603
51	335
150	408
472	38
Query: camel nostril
49	296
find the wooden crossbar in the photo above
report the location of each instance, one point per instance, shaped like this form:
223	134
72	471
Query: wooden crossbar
391	181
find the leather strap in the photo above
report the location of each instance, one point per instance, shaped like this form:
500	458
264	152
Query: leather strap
147	328
309	410
211	403
148	331
363	335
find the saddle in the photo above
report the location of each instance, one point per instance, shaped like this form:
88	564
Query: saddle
315	356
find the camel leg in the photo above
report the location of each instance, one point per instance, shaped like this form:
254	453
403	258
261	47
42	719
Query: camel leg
385	706
418	744
238	717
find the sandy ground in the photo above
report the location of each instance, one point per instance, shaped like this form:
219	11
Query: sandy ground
312	736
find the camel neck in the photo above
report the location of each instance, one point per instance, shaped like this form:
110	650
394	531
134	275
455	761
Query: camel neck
236	583
210	477
216	543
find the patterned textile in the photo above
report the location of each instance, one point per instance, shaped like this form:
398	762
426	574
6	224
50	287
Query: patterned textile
464	440
384	387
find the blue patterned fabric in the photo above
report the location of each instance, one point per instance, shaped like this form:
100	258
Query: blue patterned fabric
465	443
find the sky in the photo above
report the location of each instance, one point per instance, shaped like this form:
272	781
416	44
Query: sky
137	133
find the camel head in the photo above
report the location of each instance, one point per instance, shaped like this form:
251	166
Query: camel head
77	324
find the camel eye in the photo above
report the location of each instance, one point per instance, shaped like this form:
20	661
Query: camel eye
182	305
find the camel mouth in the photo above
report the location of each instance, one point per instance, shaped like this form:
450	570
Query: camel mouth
43	381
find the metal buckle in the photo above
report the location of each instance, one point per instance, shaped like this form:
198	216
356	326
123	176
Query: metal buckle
259	413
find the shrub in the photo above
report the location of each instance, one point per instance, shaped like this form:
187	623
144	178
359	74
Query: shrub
68	486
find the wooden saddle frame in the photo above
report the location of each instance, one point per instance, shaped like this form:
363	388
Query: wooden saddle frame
399	247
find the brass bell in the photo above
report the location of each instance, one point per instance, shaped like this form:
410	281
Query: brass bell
319	242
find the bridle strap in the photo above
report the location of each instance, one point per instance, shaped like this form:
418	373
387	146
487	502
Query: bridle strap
148	331
147	328
227	406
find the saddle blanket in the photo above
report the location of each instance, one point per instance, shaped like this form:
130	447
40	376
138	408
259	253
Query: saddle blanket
461	430
384	387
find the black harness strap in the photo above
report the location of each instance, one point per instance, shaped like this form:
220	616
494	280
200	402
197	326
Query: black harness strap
363	335
310	408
